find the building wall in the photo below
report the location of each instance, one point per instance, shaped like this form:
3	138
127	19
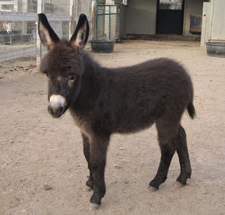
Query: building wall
191	7
213	25
218	20
123	20
141	17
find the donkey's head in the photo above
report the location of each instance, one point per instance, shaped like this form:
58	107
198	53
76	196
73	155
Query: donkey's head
62	64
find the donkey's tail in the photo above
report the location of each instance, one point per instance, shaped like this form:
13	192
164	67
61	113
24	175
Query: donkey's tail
191	110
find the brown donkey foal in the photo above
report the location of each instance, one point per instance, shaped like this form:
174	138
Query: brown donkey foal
104	101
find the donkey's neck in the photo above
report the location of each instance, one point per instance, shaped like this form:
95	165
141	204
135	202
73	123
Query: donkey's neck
94	81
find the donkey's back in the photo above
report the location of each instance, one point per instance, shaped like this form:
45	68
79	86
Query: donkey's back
132	98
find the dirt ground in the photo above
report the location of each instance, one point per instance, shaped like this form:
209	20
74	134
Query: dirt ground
42	167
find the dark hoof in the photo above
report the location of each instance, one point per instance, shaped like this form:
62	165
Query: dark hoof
154	184
183	179
90	183
97	197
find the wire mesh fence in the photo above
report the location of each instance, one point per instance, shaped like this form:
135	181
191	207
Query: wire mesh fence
18	23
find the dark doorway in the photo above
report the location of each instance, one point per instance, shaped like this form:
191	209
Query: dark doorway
170	17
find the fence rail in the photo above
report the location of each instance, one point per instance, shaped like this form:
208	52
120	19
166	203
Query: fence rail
19	52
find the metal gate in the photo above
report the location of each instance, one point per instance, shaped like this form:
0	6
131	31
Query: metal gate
107	22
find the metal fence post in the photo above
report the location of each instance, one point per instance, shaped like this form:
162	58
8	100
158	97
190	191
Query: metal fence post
96	20
109	22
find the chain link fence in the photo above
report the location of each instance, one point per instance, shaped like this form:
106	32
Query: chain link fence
18	23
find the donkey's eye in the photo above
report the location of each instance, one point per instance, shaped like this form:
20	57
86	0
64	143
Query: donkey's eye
47	75
72	78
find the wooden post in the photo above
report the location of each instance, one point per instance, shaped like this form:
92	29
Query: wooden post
72	16
39	51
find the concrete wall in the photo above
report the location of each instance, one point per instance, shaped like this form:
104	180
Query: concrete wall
218	20
191	7
123	17
206	22
213	25
123	20
141	17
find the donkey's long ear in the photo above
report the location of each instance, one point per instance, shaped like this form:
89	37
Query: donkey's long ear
80	36
47	35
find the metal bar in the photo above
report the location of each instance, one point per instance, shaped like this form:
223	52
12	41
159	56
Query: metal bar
103	27
108	14
106	5
109	23
14	16
96	21
119	28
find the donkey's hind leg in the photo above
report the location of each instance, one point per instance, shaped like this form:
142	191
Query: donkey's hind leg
182	151
167	152
86	150
167	135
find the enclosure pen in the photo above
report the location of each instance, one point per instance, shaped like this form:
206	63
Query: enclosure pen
18	24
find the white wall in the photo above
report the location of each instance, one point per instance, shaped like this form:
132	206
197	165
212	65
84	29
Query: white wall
213	25
218	20
206	22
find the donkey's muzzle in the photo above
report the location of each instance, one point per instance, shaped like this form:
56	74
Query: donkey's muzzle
57	105
56	112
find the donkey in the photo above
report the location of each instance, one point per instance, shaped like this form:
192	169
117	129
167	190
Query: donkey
104	101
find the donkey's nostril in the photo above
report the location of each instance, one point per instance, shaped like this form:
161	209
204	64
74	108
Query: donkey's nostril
61	109
56	111
50	110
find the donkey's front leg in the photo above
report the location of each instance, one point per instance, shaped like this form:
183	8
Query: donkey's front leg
86	149
98	150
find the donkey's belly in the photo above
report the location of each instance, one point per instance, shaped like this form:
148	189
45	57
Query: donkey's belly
133	125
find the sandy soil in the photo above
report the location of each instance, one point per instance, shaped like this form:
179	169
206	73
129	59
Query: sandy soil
42	167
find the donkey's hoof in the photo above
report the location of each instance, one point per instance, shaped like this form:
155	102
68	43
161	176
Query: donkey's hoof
181	182
183	179
94	206
155	183
153	189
